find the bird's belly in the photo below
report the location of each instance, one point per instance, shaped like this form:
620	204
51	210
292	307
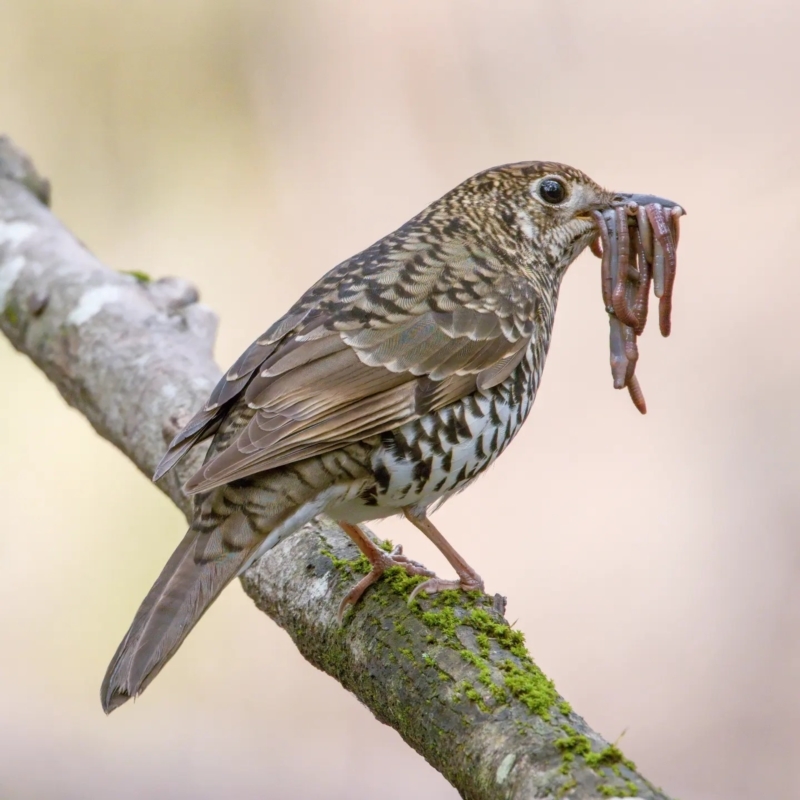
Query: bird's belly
425	461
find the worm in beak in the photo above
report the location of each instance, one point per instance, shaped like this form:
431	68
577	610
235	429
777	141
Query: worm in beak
637	242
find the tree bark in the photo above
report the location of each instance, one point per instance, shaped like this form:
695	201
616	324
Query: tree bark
449	674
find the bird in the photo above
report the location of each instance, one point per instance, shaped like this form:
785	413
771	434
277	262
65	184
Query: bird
389	386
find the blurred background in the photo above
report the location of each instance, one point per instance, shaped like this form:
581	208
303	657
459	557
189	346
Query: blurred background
250	145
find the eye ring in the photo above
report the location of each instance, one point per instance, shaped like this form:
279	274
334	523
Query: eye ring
552	191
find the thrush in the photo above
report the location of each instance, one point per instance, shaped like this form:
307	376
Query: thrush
390	385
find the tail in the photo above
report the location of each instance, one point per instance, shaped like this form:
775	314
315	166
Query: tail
203	564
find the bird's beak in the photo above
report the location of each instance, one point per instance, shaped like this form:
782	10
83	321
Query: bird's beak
622	199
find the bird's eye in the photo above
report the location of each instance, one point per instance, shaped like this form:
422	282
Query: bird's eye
552	191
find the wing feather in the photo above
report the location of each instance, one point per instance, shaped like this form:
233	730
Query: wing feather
338	399
357	357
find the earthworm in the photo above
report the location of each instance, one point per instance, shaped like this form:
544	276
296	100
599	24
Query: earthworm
639	238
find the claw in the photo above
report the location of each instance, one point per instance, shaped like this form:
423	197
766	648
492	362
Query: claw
435	585
381	561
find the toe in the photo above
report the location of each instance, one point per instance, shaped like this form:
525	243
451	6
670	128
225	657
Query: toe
431	586
354	595
380	565
435	585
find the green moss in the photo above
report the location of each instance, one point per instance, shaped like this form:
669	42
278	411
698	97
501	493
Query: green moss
444	619
573	744
524	681
10	313
448	597
566	786
358	565
514	641
338	563
608	757
142	277
400	582
450	610
498	693
485	676
361	565
629	790
471	693
530	686
473	659
565	708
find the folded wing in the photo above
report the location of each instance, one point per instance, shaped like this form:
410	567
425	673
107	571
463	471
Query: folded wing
337	372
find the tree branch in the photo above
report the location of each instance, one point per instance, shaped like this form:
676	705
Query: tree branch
449	674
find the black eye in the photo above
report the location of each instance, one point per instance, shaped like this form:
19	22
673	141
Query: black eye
552	191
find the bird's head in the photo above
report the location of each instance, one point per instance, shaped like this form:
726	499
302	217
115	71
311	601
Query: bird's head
540	207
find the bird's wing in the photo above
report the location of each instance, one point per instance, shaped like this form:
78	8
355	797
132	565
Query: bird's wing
381	348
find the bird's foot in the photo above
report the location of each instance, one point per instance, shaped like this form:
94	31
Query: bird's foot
469	583
468	579
381	561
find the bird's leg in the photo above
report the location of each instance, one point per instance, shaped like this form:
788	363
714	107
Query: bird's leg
468	579
380	561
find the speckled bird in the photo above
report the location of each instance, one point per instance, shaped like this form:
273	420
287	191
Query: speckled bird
390	385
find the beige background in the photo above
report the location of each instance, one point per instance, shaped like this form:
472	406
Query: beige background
249	146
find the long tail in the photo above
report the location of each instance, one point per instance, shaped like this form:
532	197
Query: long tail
203	564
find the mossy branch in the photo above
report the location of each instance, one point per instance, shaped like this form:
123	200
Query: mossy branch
449	674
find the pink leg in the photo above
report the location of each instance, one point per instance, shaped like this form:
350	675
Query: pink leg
380	561
468	579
